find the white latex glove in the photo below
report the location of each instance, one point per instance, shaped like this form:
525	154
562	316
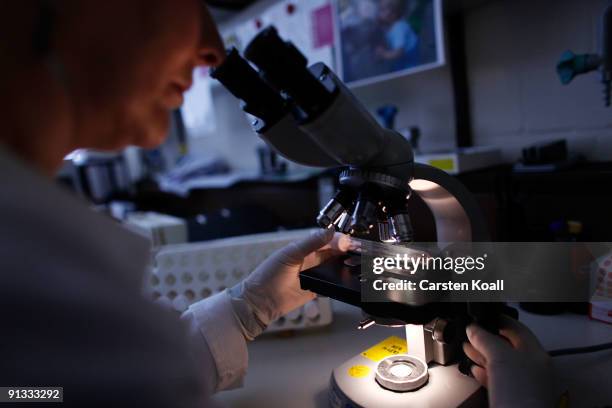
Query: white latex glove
273	289
513	366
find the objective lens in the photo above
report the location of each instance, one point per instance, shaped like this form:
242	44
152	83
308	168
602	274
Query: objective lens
344	223
384	233
334	208
402	227
399	219
330	213
364	215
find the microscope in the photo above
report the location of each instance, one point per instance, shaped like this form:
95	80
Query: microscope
307	115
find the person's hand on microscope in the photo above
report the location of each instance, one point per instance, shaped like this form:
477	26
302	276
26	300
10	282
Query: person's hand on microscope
513	366
273	288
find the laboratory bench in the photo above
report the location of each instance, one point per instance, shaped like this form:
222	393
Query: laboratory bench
294	370
243	207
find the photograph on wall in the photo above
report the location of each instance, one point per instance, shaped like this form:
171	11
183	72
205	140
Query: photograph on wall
381	39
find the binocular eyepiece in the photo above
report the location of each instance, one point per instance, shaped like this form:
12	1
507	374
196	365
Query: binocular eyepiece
282	82
258	97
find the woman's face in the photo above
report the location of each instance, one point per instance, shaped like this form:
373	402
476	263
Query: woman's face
127	64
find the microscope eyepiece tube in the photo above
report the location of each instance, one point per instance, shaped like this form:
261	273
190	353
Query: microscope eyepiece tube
245	83
285	67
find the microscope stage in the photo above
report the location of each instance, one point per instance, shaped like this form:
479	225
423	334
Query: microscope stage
334	279
339	280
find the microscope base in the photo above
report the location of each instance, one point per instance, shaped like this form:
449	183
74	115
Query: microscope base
353	384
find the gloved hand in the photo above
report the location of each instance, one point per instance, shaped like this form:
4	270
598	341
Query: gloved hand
513	366
273	288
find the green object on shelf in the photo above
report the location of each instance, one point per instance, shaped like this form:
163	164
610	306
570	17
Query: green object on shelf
570	65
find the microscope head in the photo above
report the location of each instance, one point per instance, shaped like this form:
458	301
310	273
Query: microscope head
309	116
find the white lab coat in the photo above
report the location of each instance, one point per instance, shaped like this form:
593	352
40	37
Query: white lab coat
72	313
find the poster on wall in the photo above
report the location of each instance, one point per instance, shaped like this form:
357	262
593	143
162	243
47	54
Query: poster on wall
381	39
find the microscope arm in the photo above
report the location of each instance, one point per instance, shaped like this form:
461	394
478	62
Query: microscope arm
289	141
456	213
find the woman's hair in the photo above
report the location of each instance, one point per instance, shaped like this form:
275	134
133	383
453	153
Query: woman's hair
26	32
43	28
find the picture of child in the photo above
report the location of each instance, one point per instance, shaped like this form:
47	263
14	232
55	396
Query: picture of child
379	39
400	40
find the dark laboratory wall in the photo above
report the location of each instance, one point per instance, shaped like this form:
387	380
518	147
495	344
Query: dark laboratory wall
536	207
512	48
